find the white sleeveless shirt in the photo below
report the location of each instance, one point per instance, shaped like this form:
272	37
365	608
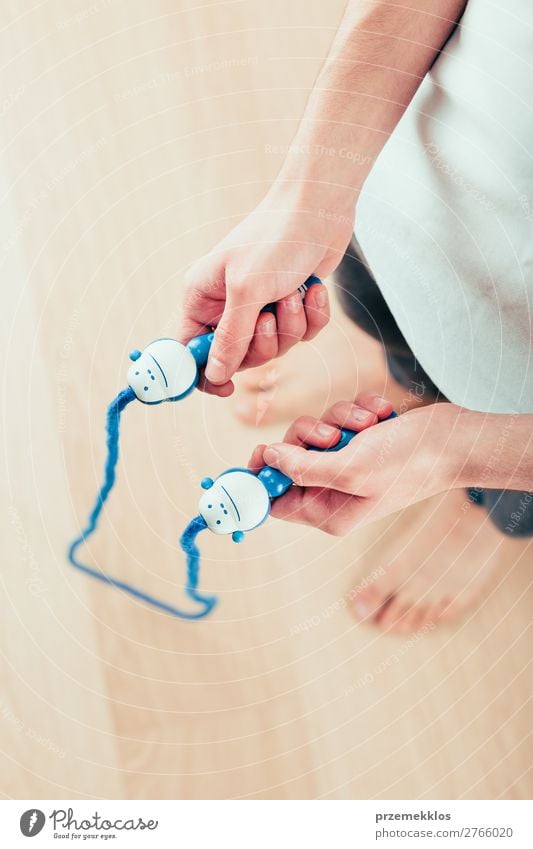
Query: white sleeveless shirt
445	219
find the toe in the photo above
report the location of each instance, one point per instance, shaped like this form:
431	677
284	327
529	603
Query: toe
448	609
259	379
393	613
434	613
257	409
259	399
366	603
417	618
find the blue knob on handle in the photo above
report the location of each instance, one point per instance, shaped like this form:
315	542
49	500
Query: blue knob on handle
276	483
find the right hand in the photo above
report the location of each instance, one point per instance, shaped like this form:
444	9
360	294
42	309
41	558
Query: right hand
263	260
383	470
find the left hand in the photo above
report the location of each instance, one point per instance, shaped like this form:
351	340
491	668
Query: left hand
382	470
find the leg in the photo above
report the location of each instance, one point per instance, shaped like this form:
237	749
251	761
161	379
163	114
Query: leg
437	567
435	564
362	301
510	511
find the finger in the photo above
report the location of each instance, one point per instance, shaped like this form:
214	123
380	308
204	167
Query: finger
375	403
204	298
223	391
256	462
304	506
307	430
332	512
191	327
232	337
264	345
317	310
350	416
291	321
310	468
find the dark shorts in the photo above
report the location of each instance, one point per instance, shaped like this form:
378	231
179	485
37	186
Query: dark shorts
510	510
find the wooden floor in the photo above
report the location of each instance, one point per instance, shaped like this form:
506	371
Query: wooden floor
133	136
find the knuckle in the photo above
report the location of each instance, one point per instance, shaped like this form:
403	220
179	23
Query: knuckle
195	297
320	318
336	527
225	336
195	277
368	400
285	343
239	283
296	477
362	398
303	424
339	412
192	293
296	473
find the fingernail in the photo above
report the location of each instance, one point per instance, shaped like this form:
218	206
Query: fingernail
381	400
216	371
294	303
268	328
325	429
321	295
271	455
360	415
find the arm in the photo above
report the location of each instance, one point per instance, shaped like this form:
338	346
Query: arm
494	450
379	57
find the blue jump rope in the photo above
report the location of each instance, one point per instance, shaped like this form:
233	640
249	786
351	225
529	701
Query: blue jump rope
235	502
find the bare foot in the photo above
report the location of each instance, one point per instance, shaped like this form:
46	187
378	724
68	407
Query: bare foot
341	362
434	569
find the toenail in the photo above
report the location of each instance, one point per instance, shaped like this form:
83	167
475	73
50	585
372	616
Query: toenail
361	609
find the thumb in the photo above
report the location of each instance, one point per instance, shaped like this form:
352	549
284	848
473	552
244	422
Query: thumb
232	339
330	470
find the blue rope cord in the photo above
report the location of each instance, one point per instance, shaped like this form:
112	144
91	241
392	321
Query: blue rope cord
187	541
190	549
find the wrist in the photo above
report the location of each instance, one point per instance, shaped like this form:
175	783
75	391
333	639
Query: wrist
326	205
332	169
451	445
488	450
465	457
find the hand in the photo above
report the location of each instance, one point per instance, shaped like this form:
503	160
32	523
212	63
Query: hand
382	470
264	260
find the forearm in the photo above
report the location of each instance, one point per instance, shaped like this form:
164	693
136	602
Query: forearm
494	451
378	59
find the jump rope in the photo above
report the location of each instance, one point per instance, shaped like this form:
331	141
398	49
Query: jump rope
235	502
